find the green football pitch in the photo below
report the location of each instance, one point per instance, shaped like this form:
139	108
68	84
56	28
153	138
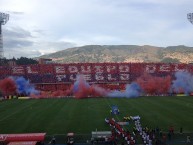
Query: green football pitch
59	116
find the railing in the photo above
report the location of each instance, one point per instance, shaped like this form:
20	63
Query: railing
176	139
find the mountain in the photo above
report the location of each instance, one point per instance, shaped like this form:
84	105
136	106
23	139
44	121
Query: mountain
123	53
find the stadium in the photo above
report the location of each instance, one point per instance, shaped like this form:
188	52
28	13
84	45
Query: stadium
106	103
58	99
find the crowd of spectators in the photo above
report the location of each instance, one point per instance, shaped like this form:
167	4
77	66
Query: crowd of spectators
118	131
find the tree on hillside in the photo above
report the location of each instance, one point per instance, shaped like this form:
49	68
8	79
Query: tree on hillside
25	60
3	61
170	60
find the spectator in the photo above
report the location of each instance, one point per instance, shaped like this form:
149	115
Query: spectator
188	139
169	136
181	130
160	133
171	129
53	141
150	142
164	138
157	129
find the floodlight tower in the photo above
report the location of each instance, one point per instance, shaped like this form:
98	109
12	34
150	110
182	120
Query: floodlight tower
190	17
3	20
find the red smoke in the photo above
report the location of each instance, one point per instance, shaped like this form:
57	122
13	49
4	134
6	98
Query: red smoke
55	94
91	92
154	85
58	93
8	86
98	91
81	89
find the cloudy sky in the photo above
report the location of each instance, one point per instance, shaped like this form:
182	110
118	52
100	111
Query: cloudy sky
38	27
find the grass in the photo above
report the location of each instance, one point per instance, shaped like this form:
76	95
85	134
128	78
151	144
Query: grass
59	116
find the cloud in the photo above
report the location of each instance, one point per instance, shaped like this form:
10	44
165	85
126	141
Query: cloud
12	43
16	32
25	52
20	42
16	37
49	26
33	49
14	13
51	47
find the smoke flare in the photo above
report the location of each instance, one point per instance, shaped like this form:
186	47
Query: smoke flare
183	83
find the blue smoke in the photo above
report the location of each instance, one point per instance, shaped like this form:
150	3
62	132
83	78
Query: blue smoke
132	90
184	81
80	82
24	86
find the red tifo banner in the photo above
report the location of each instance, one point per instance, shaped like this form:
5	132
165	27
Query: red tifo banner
92	72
